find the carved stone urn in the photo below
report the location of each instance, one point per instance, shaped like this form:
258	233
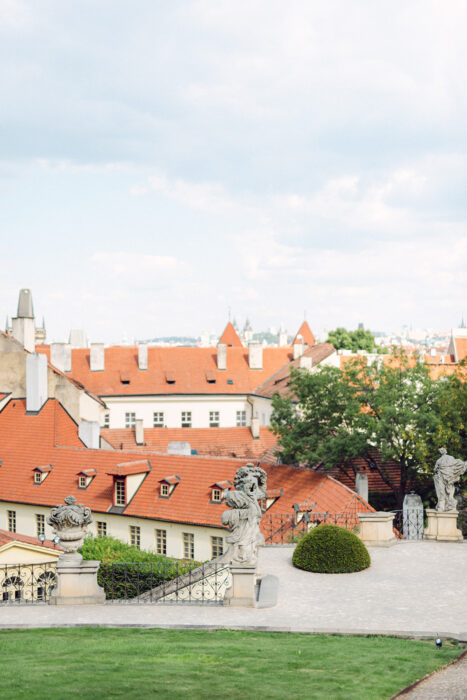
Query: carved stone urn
70	523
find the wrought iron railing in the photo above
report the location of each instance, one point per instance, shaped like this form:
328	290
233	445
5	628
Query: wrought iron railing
409	524
171	582
287	528
27	583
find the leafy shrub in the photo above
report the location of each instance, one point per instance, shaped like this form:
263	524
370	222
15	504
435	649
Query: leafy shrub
329	549
127	571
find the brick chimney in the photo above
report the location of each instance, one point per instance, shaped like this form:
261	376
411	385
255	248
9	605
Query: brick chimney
60	356
222	356
255	356
36	381
97	357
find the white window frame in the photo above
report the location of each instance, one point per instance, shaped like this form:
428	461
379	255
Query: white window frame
82	482
214	419
161	541
216	495
135	536
37	478
158	422
119	501
130	419
11	520
40	524
165	490
241	419
101	528
217	546
186	419
188	539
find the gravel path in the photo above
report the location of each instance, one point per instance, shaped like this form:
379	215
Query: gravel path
448	684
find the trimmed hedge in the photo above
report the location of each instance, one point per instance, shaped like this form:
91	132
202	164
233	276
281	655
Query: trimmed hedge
329	549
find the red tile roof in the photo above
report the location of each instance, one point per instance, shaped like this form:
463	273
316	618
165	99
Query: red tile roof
28	440
187	365
217	442
306	333
280	381
461	348
230	337
6	537
128	468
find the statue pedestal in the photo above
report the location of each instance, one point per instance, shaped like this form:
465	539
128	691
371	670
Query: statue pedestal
77	582
442	526
242	592
376	529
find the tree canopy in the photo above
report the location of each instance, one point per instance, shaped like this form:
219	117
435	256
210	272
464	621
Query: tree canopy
391	408
360	339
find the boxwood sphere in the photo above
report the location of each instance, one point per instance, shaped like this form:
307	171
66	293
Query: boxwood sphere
329	549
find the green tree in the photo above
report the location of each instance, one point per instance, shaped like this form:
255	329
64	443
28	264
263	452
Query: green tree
360	339
393	408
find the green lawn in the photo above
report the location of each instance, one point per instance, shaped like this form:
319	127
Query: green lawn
137	663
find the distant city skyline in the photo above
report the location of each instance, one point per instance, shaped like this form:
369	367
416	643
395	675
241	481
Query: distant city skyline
163	163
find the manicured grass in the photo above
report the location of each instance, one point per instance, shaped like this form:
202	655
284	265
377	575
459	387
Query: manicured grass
137	663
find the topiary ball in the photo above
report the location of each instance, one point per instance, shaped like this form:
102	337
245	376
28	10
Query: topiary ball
329	549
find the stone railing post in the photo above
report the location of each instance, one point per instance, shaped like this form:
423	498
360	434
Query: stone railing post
77	579
376	529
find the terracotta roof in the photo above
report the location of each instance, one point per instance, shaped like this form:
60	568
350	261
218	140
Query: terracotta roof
6	537
218	442
279	382
186	365
28	440
230	337
141	466
306	333
436	366
461	348
376	483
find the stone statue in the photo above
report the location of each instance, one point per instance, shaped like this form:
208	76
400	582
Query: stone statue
244	518
447	471
70	524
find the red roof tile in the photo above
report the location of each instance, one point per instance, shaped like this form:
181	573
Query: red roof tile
6	537
188	366
27	440
128	468
217	442
230	337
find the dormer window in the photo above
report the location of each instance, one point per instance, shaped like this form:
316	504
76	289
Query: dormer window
217	490
216	495
120	492
41	473
167	486
85	477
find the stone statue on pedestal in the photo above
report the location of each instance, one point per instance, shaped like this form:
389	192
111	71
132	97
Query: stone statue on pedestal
70	523
448	470
244	518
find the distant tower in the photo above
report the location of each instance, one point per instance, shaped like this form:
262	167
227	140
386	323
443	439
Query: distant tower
247	332
22	325
282	336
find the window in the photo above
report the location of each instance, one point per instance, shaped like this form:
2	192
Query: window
130	420
135	535
106	420
82	482
188	545
217	546
186	419
11	517
158	419
164	489
12	588
161	541
40	524
101	528
213	419
216	495
37	477
241	418
120	496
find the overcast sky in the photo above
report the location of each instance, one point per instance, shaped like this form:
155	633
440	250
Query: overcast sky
161	162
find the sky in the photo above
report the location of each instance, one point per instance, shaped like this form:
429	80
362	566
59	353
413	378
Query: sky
164	162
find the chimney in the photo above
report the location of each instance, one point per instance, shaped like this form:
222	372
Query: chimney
89	432
97	357
255	428
178	448
222	356
282	338
77	338
60	356
139	431
298	349
361	485
36	381
305	362
255	356
142	356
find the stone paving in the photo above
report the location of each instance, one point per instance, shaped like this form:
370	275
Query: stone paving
411	589
448	684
